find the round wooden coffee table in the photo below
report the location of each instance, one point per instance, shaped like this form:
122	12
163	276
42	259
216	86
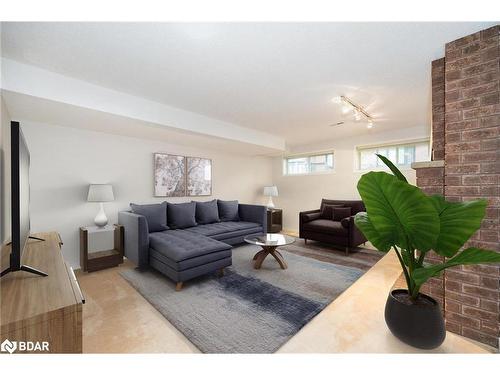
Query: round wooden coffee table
269	243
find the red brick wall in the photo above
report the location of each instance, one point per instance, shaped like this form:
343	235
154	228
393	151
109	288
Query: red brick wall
438	106
472	171
466	135
431	181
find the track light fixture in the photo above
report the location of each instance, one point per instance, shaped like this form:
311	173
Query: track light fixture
359	112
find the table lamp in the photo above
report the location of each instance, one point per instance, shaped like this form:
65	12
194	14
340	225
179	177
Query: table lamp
270	191
100	193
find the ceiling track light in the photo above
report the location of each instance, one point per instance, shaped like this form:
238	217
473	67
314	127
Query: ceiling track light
359	112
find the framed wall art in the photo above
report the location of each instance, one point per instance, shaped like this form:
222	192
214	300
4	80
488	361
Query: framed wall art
198	176
169	175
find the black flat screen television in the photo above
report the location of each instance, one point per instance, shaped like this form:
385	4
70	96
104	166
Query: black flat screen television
20	204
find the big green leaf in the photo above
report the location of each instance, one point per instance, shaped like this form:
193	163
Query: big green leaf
392	167
381	242
458	222
472	255
400	212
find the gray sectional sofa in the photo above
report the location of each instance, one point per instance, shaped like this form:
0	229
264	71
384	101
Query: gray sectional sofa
186	240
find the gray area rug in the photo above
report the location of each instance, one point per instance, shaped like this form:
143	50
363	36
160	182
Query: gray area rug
247	310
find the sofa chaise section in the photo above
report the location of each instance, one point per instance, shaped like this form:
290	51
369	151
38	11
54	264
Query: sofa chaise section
182	255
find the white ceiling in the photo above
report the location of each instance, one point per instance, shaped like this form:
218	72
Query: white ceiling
274	77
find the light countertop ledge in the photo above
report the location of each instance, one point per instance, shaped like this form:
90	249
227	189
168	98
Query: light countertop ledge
354	322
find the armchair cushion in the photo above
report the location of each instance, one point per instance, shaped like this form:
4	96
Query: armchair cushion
326	226
356	205
341	213
327	210
181	215
207	212
155	214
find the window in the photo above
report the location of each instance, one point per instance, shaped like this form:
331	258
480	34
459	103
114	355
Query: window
402	155
308	164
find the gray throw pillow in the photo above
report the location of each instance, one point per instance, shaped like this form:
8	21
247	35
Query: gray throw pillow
327	211
228	210
207	212
341	213
181	215
156	215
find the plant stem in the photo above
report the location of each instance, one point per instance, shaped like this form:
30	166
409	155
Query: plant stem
421	258
415	293
405	271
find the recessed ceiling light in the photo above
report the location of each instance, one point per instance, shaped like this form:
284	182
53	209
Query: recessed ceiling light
370	124
337	100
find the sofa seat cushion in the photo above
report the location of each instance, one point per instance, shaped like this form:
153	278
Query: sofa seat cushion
326	226
191	262
238	233
222	227
179	245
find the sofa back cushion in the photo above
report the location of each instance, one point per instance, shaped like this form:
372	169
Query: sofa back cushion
356	205
207	212
327	211
340	213
181	215
155	214
228	210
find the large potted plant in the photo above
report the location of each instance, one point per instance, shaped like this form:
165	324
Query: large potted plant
400	217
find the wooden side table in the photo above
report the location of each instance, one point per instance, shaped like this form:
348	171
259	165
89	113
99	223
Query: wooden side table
101	247
274	220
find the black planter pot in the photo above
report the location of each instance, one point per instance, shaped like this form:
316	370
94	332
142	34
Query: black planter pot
419	324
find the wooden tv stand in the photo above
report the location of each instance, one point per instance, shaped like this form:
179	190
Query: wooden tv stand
41	309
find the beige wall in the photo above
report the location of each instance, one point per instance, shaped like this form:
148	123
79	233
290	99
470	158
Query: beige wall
4	173
300	193
65	160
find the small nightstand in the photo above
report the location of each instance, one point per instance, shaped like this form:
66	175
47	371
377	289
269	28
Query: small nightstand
101	247
274	220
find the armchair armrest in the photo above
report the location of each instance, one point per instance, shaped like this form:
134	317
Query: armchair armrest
254	213
347	221
306	216
356	237
136	244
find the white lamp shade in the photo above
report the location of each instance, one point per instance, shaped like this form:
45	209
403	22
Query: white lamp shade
100	193
271	191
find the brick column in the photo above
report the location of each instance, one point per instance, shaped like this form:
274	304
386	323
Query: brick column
438	106
466	135
430	178
472	171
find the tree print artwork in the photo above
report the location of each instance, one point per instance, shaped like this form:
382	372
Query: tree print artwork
199	176
169	175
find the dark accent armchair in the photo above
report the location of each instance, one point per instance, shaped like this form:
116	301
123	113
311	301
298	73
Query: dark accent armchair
342	233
